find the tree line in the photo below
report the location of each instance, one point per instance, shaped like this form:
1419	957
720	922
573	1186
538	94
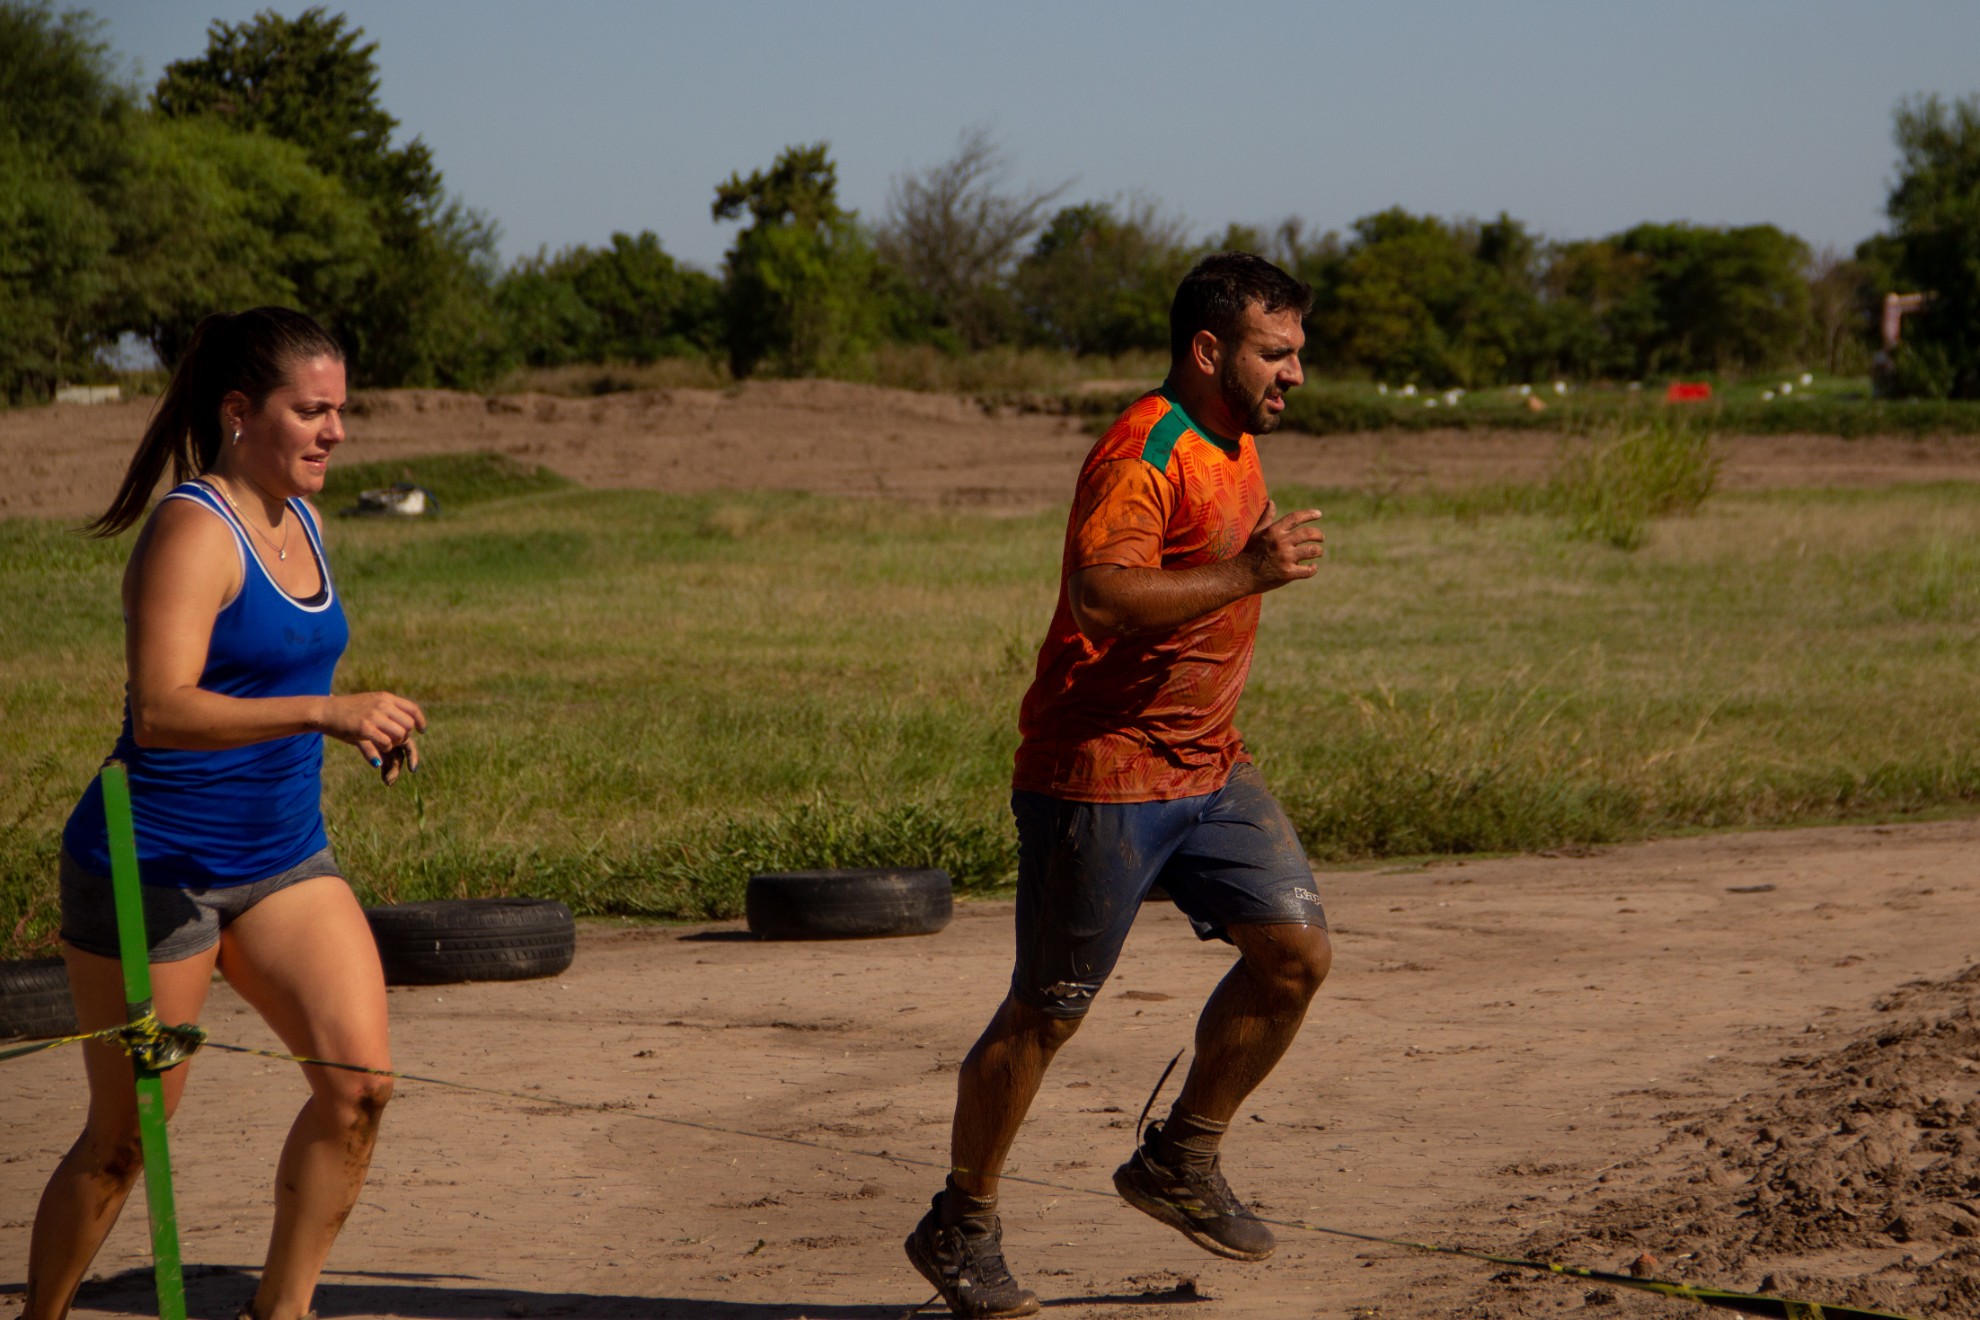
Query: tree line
265	170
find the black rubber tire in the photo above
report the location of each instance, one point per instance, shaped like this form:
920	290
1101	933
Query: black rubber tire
849	905
34	999
473	939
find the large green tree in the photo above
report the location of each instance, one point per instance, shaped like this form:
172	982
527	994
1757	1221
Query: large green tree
1415	298
648	305
1100	278
1726	299
423	312
800	296
65	123
1934	208
312	81
218	218
630	302
1600	310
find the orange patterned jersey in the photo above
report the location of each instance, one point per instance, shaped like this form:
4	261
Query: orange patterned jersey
1147	718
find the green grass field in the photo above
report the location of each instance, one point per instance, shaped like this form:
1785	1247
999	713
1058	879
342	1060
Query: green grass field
637	699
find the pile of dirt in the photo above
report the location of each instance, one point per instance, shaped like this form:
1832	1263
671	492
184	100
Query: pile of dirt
1856	1178
840	438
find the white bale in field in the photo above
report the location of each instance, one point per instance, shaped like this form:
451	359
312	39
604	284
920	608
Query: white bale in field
1807	378
1766	396
1526	389
88	394
1787	387
1560	387
1409	391
1381	388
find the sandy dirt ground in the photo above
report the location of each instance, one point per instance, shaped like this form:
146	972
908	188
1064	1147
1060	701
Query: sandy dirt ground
1753	1057
1506	1047
837	438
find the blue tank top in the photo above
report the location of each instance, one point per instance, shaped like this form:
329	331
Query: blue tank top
211	818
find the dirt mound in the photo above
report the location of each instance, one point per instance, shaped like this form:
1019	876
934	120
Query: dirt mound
840	438
1862	1161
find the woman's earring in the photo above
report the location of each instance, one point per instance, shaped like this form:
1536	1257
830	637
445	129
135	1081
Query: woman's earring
237	435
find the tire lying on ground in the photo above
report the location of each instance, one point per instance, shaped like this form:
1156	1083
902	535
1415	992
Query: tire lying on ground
34	999
850	904
473	939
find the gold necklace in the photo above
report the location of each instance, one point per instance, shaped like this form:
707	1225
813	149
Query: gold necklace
282	550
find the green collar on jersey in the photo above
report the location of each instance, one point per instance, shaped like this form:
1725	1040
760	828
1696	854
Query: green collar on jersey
1181	414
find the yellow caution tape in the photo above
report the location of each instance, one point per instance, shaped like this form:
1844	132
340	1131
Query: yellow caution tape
147	1040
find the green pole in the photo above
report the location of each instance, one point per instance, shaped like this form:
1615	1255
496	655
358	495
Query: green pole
137	1005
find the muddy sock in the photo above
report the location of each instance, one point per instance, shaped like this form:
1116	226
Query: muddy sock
1188	1141
971	1213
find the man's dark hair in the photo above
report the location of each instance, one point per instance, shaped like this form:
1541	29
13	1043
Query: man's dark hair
1213	297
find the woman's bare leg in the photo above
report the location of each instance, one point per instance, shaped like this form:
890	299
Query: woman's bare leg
89	1186
305	959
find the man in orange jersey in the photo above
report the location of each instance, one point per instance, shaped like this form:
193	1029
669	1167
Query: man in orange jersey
1130	774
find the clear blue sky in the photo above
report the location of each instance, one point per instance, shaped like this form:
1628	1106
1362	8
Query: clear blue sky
566	121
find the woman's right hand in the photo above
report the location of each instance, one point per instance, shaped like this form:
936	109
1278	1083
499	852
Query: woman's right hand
376	723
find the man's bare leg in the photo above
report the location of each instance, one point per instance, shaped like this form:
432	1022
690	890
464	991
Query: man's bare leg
958	1245
1243	1032
995	1088
1253	1015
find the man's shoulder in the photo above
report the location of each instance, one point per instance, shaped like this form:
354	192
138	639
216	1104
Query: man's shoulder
1148	430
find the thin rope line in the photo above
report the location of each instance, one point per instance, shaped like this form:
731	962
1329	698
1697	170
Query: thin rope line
148	1031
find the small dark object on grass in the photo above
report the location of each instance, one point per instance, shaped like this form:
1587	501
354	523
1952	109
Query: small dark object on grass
1750	889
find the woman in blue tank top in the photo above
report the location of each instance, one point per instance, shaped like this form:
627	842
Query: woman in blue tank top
233	630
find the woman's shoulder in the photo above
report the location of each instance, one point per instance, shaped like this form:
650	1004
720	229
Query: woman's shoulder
185	544
187	515
194	494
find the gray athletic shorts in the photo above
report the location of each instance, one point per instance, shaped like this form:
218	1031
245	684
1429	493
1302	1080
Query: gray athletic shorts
1228	858
180	922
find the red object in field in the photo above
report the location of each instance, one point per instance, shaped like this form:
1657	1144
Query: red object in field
1688	391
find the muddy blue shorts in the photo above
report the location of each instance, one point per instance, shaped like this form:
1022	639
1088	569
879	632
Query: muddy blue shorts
1229	858
180	922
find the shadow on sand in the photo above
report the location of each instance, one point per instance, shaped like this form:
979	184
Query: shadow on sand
215	1292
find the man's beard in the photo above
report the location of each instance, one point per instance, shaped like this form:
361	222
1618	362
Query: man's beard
1258	420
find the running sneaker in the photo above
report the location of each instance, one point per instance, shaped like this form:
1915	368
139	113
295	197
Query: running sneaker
1201	1206
965	1263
